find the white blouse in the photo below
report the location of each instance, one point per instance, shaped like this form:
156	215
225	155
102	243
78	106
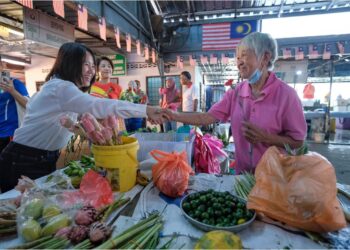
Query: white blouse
41	127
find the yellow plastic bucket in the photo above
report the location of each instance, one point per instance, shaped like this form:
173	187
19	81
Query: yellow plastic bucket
120	163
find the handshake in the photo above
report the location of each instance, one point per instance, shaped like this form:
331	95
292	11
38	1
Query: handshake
158	115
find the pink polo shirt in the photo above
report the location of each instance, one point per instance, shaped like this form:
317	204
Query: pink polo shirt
278	111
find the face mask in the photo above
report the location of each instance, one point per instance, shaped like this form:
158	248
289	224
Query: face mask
254	78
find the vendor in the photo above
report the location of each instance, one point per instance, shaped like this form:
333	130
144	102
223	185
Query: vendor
263	110
36	144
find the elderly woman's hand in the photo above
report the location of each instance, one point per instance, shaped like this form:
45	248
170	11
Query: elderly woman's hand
253	133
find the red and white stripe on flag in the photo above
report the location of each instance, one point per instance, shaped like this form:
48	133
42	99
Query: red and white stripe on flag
224	58
102	26
217	37
117	37
179	62
287	53
128	42
82	17
341	47
146	52
58	7
26	3
153	56
204	59
192	60
299	54
138	47
213	59
313	52
326	52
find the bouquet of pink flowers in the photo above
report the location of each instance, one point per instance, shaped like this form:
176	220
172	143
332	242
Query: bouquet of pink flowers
103	132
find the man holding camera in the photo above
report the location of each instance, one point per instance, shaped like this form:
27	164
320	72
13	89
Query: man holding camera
13	96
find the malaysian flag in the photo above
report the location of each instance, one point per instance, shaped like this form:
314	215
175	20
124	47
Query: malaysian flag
180	62
128	42
82	17
26	3
117	37
102	26
287	53
313	52
224	58
146	52
138	47
299	54
224	36
154	56
213	59
326	52
192	60
341	47
204	59
58	7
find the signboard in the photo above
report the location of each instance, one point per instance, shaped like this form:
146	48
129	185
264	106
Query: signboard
42	28
119	62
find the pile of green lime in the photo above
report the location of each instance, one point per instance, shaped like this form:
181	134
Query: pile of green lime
220	209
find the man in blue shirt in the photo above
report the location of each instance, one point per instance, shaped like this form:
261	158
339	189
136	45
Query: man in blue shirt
11	91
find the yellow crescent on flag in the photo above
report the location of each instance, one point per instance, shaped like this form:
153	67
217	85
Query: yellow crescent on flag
249	28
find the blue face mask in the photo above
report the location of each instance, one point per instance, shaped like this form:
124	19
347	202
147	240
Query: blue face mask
255	77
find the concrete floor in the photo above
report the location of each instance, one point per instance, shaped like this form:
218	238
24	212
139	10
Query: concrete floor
338	155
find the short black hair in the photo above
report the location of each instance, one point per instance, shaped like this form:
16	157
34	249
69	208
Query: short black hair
187	74
69	64
104	58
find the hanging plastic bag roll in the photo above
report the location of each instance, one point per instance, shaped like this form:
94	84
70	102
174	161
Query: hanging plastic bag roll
298	190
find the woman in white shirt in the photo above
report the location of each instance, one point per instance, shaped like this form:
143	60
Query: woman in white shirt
35	147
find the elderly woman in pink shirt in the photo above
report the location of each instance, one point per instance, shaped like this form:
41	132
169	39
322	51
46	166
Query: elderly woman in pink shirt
263	110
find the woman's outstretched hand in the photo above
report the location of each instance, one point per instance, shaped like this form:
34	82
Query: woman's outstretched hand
156	115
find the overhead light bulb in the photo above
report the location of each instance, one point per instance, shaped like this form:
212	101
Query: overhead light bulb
172	20
196	18
299	72
180	19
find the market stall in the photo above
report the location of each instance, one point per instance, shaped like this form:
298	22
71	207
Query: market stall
175	226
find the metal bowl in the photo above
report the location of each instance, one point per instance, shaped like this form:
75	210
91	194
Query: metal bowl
206	227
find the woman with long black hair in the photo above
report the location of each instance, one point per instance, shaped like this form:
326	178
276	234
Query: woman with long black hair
36	144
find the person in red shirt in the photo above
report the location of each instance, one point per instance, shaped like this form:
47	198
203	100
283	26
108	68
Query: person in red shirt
104	87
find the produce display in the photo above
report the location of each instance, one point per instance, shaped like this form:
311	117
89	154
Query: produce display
220	209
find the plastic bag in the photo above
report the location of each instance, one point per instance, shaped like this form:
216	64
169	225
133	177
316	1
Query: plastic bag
43	212
171	172
207	152
94	190
298	190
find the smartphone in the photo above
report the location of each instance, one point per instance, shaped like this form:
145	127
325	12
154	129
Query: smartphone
4	77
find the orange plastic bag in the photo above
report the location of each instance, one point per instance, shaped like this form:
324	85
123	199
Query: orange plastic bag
171	172
297	190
